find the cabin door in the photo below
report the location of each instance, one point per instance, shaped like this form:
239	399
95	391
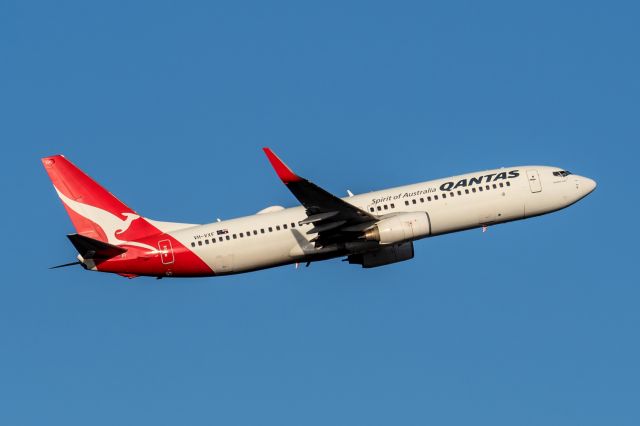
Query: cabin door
166	252
534	181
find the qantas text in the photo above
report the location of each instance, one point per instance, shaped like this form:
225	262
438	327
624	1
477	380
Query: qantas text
449	186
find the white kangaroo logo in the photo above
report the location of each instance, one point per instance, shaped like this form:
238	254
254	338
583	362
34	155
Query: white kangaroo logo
111	224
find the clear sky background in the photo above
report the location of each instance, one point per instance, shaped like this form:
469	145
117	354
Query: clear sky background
167	104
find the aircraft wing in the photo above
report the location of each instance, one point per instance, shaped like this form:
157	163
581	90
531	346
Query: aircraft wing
333	219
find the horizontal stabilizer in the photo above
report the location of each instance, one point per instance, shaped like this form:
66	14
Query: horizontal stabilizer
66	264
94	249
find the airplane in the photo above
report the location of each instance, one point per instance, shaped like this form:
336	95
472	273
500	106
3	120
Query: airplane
371	230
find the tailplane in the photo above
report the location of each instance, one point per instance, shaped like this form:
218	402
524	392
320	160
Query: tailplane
94	249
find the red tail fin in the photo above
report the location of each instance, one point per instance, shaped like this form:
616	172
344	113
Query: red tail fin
94	211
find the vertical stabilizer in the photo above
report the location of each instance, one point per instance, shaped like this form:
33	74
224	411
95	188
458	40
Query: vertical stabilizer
94	211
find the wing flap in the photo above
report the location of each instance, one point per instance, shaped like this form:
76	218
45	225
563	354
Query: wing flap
319	217
326	227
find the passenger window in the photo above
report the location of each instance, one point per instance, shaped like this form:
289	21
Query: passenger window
488	187
293	225
235	237
414	201
386	207
255	232
435	197
451	194
495	186
270	229
241	235
480	189
444	196
277	227
379	208
284	226
406	203
228	238
459	192
393	206
466	191
501	185
262	231
206	242
213	240
193	244
508	183
372	209
428	198
199	243
473	190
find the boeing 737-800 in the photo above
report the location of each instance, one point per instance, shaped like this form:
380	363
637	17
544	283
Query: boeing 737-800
373	229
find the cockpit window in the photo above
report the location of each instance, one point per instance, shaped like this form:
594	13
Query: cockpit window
562	173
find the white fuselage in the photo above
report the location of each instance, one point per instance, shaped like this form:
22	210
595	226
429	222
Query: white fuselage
452	204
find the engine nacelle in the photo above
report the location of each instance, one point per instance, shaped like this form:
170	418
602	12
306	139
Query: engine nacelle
383	256
399	228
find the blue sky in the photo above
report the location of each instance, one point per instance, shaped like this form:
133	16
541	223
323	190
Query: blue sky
167	104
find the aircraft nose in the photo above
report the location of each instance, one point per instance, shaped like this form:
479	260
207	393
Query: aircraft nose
589	185
585	186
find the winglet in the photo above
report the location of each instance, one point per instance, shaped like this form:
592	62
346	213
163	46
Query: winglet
284	172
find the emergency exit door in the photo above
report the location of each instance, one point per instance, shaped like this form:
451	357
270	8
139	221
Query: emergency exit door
534	181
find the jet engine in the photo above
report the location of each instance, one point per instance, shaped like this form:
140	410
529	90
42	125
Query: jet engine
400	228
383	256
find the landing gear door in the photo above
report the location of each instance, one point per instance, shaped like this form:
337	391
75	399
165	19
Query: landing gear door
534	181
